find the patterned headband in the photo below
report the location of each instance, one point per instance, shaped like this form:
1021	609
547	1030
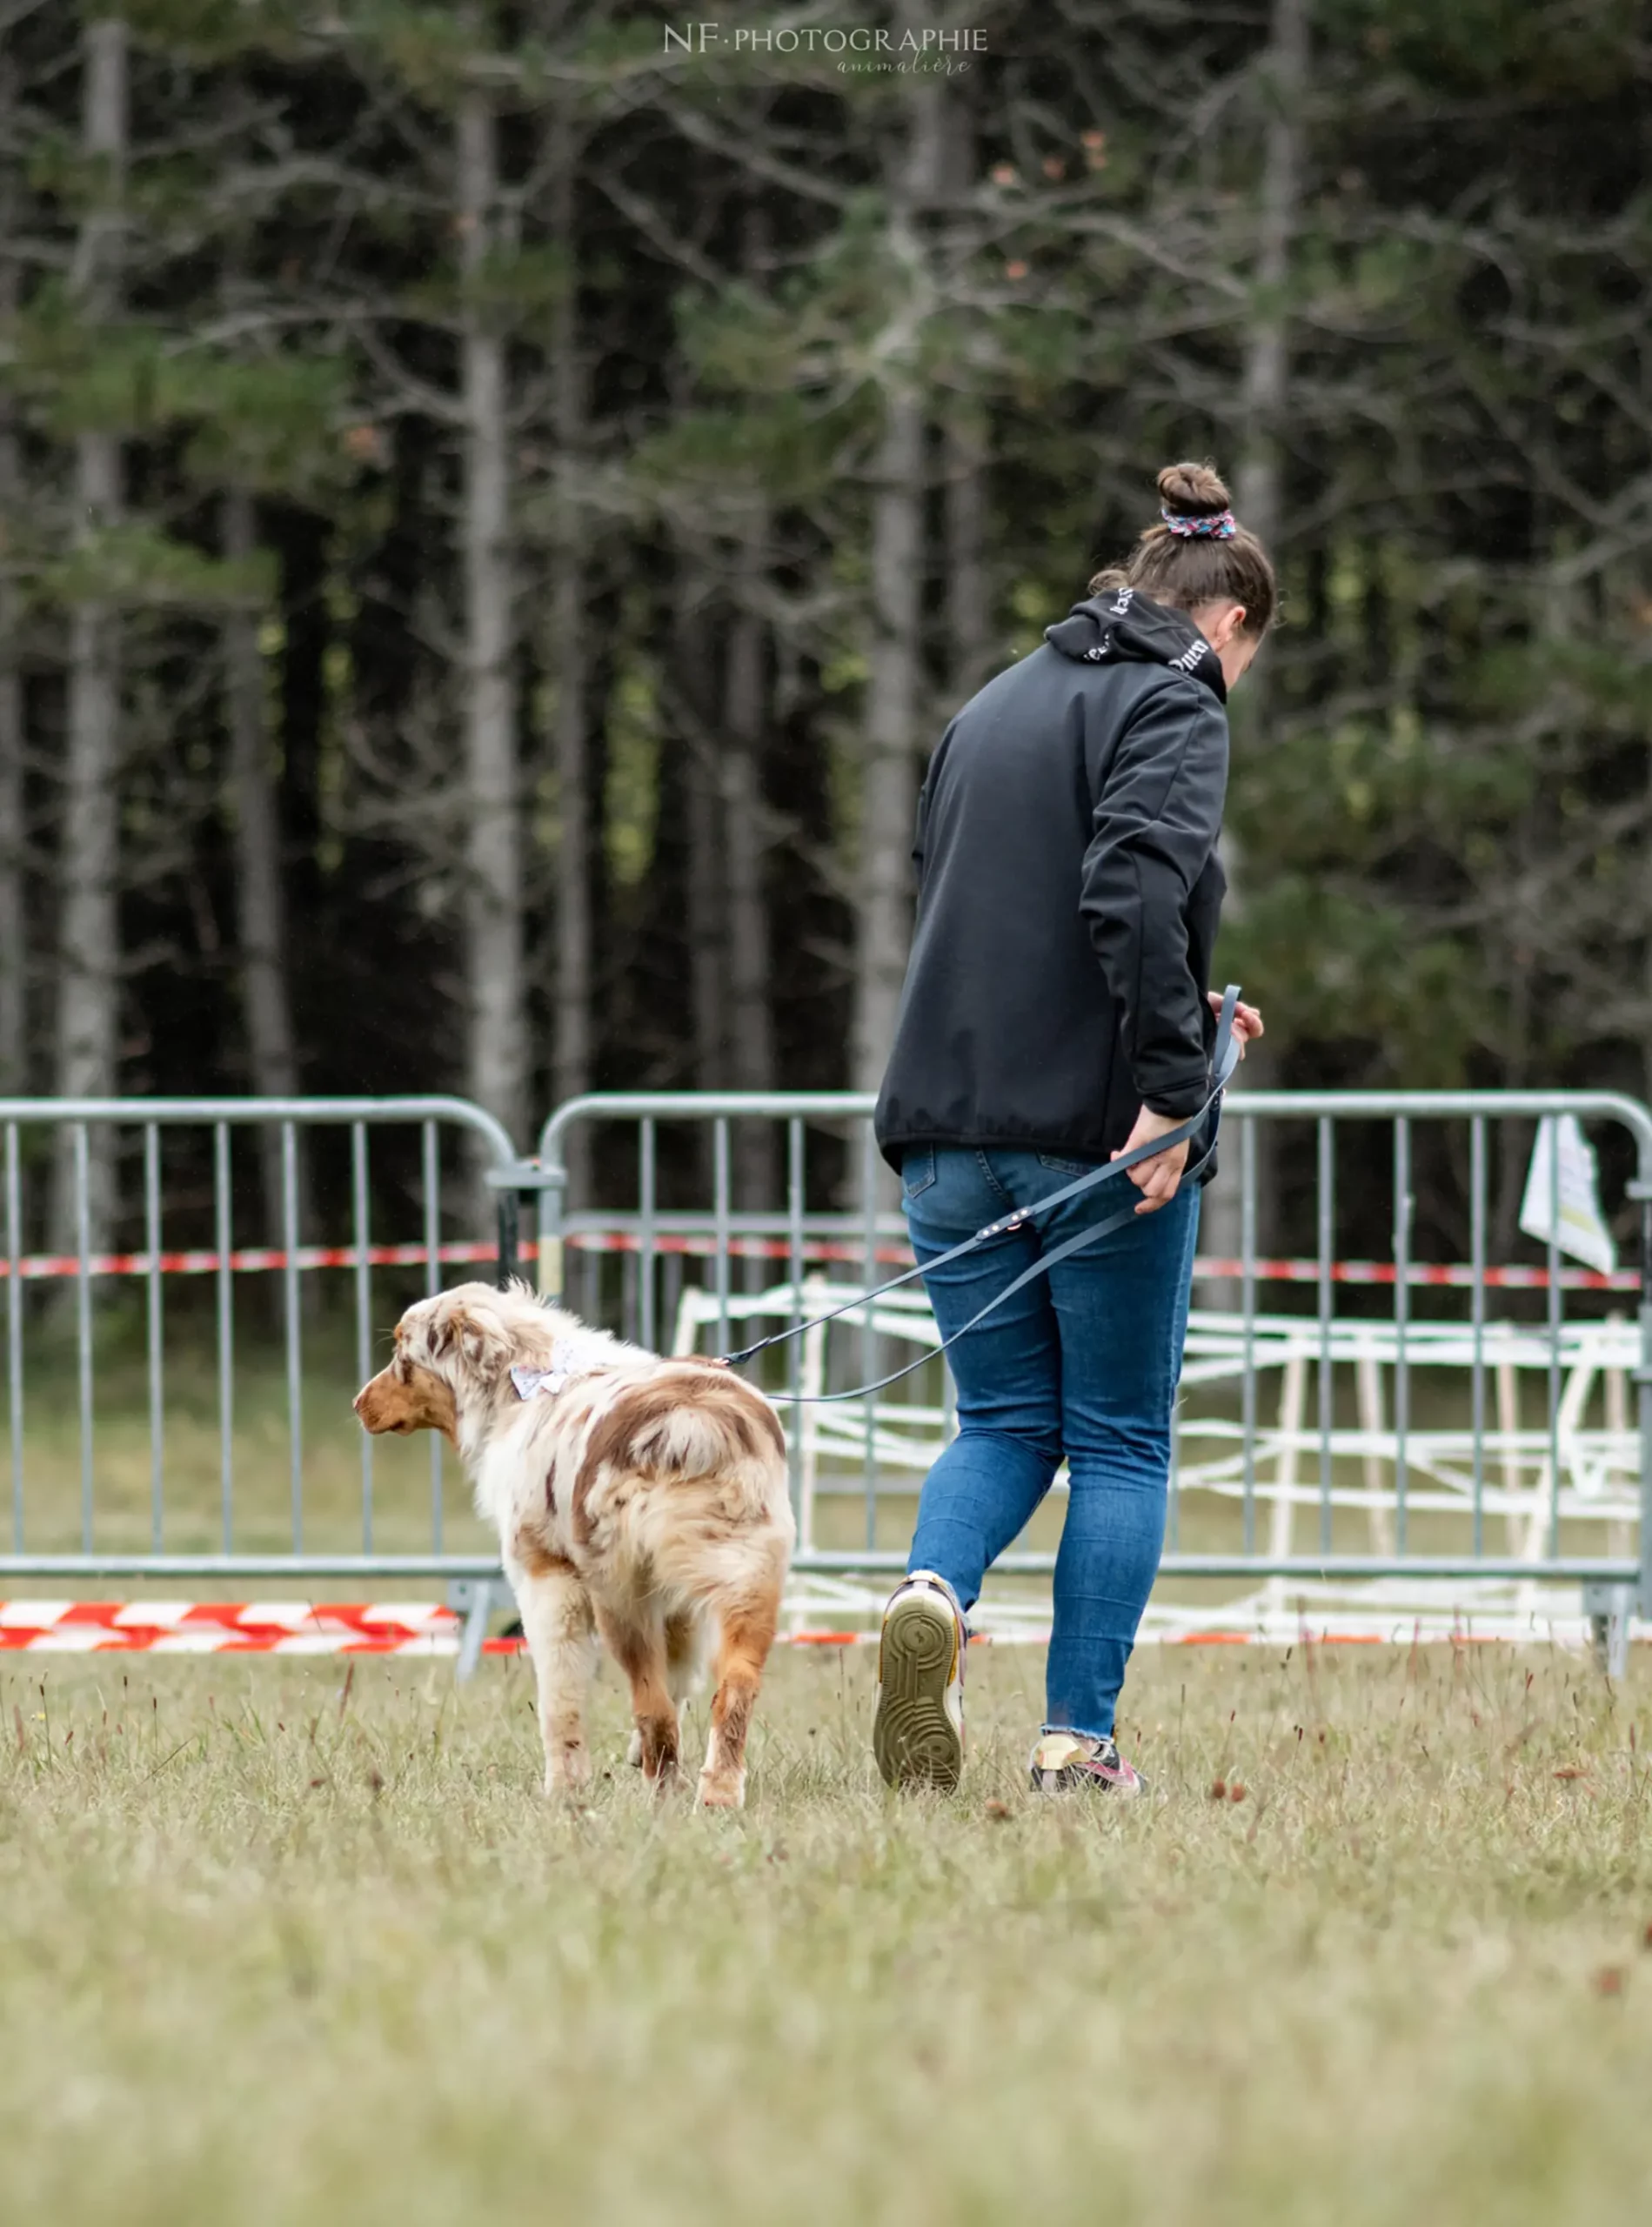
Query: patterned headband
1219	527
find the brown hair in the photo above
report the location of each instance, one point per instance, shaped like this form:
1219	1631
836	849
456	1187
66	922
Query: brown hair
1189	570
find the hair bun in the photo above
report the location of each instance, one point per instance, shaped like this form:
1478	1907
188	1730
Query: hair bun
1193	490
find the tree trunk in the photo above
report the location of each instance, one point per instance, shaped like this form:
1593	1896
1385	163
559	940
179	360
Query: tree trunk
571	1053
895	685
261	914
1258	491
496	1034
87	958
707	959
1266	385
750	1026
894	694
971	651
706	879
746	702
14	946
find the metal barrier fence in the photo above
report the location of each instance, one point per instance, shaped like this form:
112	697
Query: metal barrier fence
1414	1538
682	1260
446	1129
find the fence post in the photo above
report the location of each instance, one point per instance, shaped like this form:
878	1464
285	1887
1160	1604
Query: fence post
510	1210
1642	1191
552	1193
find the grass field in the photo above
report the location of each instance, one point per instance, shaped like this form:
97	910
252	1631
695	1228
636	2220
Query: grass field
276	1945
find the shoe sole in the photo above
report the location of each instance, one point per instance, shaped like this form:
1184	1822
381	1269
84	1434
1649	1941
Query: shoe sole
913	1738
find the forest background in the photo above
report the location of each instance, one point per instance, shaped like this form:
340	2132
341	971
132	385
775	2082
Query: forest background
499	501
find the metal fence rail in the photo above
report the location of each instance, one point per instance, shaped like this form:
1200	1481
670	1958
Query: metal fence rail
69	1122
861	1228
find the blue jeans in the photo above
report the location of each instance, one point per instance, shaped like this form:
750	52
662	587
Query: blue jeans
1082	1362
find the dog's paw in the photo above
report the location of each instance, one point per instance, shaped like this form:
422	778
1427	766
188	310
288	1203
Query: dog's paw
633	1751
721	1790
568	1770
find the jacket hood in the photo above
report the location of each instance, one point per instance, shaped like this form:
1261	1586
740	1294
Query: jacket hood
1126	627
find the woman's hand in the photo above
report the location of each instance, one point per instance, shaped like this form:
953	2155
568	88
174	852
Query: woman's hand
1248	1022
1157	1178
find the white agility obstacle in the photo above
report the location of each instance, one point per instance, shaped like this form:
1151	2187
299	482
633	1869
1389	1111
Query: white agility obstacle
1294	1476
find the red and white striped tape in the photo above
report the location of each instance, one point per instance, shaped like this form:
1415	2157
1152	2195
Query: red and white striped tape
206	1263
1214	1267
230	1626
259	1627
425	1628
1456	1274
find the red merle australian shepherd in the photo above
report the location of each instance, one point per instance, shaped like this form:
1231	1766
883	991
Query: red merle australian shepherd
646	1499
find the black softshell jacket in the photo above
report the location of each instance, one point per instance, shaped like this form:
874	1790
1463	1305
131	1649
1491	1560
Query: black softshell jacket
1069	894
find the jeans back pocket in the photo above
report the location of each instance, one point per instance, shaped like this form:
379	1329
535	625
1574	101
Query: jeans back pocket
917	1171
1058	1166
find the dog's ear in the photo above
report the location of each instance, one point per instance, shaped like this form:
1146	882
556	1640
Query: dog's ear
422	1335
480	1340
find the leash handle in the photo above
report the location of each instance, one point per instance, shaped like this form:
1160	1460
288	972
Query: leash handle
1225	1059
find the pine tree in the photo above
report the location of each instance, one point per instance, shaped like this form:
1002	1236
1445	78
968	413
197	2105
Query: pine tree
14	940
88	985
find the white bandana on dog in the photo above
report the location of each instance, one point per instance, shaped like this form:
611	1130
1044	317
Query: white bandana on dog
530	1382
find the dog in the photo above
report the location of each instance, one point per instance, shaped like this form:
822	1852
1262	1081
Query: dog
636	1497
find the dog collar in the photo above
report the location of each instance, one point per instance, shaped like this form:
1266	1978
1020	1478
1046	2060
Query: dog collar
530	1382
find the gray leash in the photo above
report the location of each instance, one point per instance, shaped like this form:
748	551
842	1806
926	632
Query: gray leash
1226	1058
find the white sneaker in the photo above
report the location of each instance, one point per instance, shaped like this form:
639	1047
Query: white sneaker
1063	1761
918	1720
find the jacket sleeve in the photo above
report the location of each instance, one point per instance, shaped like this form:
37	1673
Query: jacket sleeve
920	832
1154	827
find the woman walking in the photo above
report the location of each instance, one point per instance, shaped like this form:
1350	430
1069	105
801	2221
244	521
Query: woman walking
1057	1011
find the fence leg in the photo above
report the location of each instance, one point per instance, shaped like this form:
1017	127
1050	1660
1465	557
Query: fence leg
1508	1431
1640	1189
816	1296
553	1199
1619	1534
1609	1607
1367	1377
474	1599
1293	1391
509	1241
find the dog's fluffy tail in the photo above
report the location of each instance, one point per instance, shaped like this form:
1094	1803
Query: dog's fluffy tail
687	1422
